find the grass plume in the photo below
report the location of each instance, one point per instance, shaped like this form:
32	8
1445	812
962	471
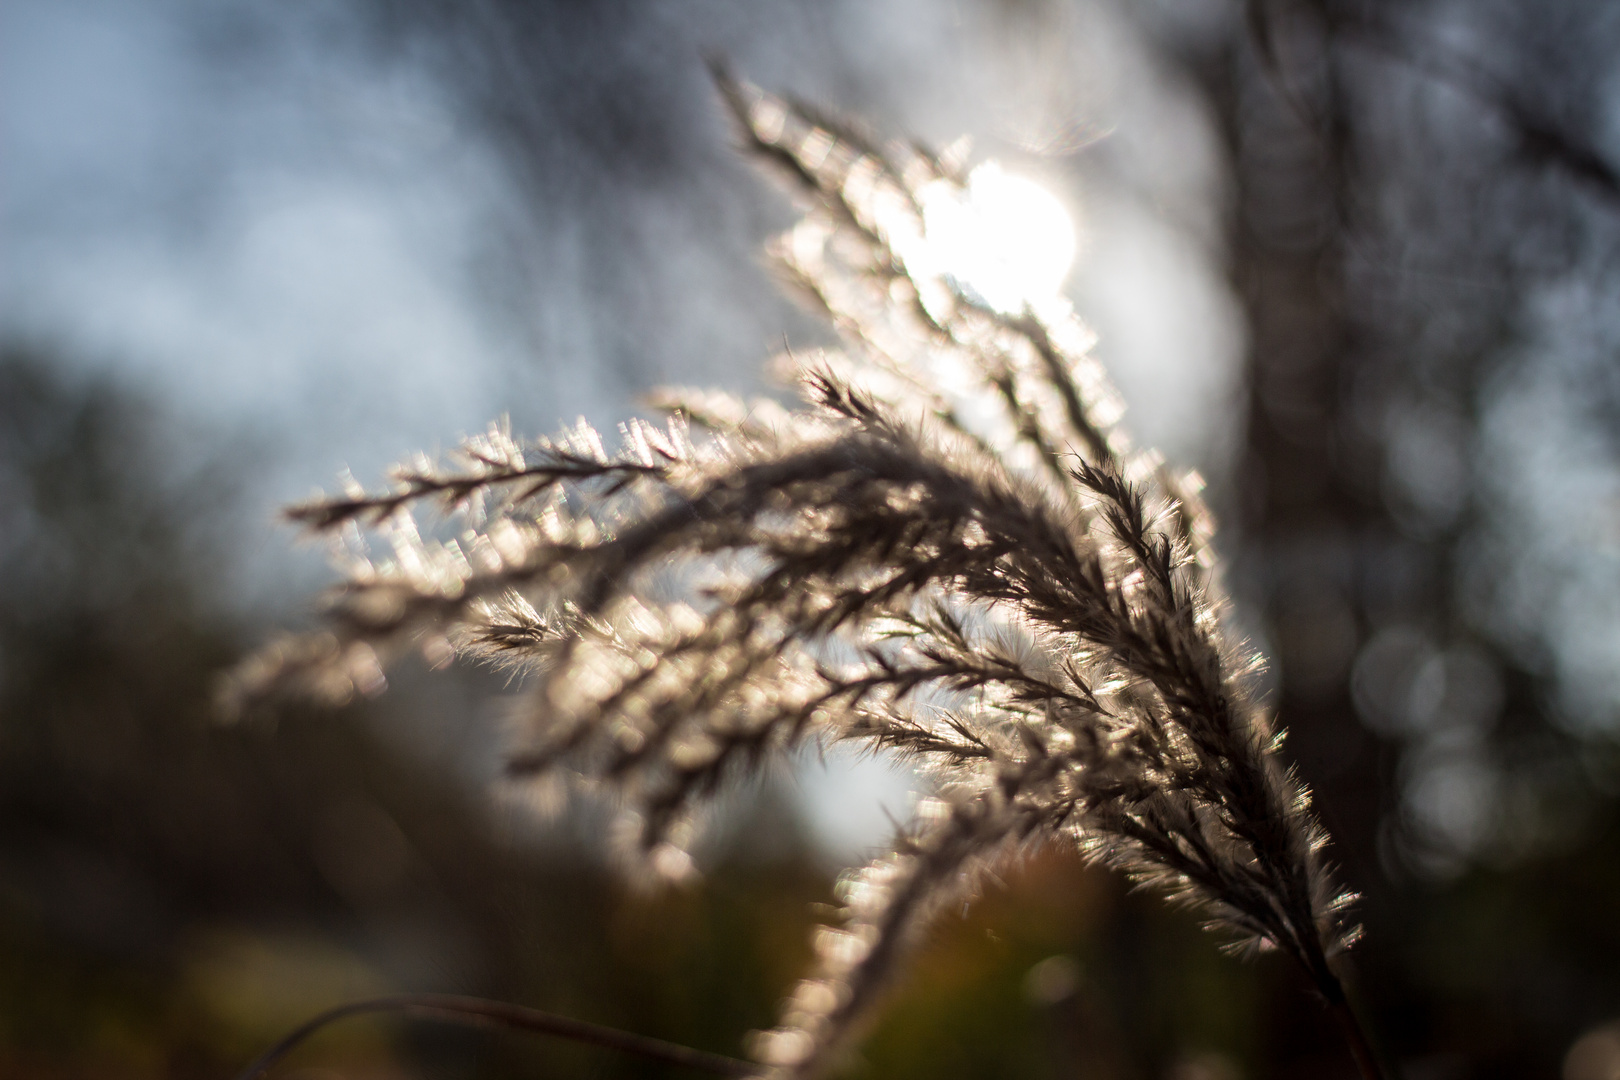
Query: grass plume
948	549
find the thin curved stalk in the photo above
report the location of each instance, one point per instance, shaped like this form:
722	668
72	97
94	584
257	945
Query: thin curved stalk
481	1012
1355	1033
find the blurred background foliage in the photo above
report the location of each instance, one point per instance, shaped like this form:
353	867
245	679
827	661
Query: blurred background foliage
1407	216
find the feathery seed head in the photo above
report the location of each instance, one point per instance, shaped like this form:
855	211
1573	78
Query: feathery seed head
949	552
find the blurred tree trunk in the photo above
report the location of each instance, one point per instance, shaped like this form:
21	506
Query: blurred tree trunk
1304	508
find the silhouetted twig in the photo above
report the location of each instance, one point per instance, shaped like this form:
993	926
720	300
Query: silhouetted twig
1540	136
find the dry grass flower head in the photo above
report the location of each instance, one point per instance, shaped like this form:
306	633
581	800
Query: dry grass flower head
948	550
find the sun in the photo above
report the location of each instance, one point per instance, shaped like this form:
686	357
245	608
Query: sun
1001	237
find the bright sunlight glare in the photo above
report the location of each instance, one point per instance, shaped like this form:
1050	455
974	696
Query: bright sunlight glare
1003	237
